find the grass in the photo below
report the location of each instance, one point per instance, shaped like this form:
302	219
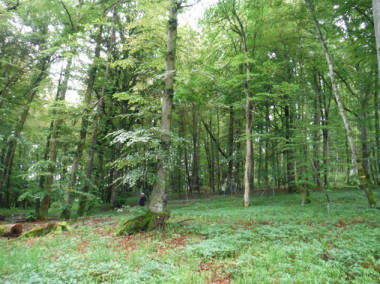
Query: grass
276	240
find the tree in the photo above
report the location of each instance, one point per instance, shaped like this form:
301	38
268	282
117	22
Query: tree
358	168
156	203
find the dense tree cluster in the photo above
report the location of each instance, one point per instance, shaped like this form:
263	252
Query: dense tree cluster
265	95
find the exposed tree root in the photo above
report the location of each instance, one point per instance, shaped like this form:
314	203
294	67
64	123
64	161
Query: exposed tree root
147	222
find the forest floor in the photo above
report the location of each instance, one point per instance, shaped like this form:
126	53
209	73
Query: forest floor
213	240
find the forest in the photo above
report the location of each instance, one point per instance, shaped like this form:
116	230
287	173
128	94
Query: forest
245	123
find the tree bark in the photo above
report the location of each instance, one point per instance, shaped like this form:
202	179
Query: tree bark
156	203
376	17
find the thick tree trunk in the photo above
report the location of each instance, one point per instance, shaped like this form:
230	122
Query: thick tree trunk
156	203
357	166
377	128
376	17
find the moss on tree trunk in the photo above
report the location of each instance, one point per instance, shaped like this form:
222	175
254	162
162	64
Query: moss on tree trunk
51	228
143	223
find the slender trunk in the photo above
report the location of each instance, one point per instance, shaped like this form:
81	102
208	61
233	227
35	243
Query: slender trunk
260	162
43	208
289	152
357	166
317	118
156	203
9	156
266	162
83	130
114	189
46	152
365	95
86	188
194	172
230	149
217	152
212	170
325	108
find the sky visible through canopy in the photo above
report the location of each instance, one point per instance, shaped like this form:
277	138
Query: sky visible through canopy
190	16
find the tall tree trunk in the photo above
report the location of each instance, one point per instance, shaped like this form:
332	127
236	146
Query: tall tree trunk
317	118
219	170
46	152
325	110
290	171
376	16
156	203
195	169
357	166
266	162
83	130
230	149
90	166
377	126
212	170
43	208
9	156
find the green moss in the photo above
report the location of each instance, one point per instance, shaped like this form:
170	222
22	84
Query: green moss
372	199
3	230
51	228
146	222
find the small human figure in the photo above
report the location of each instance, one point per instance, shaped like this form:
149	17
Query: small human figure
142	199
165	199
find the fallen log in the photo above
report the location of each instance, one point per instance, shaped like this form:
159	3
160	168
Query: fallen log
146	222
50	228
11	231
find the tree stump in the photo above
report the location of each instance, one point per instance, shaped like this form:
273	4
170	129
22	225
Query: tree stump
11	231
51	228
147	222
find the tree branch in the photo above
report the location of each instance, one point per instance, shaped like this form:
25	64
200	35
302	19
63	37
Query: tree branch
365	15
68	13
213	138
190	5
111	7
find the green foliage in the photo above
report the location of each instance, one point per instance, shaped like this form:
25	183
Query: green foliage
31	217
